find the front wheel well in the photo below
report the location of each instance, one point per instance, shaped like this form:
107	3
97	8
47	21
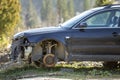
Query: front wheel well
54	47
48	52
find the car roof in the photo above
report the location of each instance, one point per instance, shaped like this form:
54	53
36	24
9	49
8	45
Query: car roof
112	6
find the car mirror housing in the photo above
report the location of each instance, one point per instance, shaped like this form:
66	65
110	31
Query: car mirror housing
83	25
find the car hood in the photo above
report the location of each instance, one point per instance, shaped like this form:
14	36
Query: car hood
37	31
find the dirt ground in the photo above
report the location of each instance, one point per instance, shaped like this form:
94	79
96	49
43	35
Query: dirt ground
47	78
44	78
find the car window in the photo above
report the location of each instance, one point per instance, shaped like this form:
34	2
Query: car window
117	21
99	20
117	13
75	19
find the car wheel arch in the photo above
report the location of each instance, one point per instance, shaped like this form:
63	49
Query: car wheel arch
61	50
61	47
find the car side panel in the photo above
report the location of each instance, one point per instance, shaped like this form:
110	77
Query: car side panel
94	42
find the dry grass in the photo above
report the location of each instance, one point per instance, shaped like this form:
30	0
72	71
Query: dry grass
60	71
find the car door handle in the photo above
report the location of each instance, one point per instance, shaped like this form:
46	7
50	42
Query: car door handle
115	34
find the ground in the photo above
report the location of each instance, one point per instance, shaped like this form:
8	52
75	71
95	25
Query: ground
46	78
76	71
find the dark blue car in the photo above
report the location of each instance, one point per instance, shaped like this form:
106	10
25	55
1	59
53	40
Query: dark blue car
94	35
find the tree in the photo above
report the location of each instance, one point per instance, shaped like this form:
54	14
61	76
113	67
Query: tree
9	18
65	9
44	10
62	10
86	4
47	13
70	8
31	18
103	2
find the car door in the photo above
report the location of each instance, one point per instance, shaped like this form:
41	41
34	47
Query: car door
98	40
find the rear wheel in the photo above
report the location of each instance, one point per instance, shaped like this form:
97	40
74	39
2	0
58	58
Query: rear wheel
111	64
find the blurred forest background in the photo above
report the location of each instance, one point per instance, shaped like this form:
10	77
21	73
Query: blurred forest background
19	15
41	13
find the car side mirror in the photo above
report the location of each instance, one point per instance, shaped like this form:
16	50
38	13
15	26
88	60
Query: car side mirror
83	25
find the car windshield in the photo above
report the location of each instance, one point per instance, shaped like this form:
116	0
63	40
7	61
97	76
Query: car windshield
74	20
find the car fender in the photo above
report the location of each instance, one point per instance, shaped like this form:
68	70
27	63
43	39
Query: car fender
39	38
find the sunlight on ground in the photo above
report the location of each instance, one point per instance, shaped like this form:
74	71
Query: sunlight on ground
44	78
47	78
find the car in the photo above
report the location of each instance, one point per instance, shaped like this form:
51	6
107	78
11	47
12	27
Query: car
93	35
